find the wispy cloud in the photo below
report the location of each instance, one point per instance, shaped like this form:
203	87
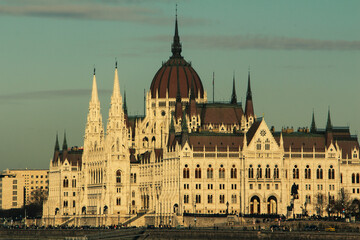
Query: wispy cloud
238	42
93	10
48	95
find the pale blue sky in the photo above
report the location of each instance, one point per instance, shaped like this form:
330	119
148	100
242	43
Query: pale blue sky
303	55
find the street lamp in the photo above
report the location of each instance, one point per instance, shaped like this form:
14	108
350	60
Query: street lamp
227	208
195	221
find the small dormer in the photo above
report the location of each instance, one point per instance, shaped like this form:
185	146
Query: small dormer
355	153
331	151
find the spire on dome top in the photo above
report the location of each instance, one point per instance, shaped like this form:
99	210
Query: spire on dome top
233	95
176	45
328	124
125	106
65	146
115	63
313	125
57	148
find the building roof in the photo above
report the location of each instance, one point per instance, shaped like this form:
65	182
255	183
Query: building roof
176	75
220	113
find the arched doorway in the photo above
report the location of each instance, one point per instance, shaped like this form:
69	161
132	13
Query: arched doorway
255	205
272	205
176	208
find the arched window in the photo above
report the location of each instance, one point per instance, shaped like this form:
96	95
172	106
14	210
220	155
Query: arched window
276	172
233	172
66	182
319	173
74	183
118	176
186	172
198	171
259	172
221	172
251	171
331	172
267	172
357	178
307	172
295	172
353	178
210	172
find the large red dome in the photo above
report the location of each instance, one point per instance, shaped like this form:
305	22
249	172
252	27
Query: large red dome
176	72
176	75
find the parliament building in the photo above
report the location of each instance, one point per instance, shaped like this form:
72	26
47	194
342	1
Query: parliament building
189	157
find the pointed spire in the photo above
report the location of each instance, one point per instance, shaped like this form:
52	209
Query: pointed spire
328	124
313	125
233	95
125	106
176	45
249	93
249	108
172	126
57	148
116	87
65	146
94	93
184	126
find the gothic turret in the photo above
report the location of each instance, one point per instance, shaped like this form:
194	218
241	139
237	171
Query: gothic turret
192	102
65	146
94	131
57	147
313	125
116	123
329	130
184	130
233	95
125	105
328	124
249	109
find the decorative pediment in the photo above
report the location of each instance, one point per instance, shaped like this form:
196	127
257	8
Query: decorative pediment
260	138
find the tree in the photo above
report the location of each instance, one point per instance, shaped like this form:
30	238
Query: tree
343	203
39	195
320	203
35	208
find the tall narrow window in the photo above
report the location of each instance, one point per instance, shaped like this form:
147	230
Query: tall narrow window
233	172
276	172
251	171
259	172
198	171
331	172
186	172
210	172
118	176
319	173
295	172
267	172
221	172
307	172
